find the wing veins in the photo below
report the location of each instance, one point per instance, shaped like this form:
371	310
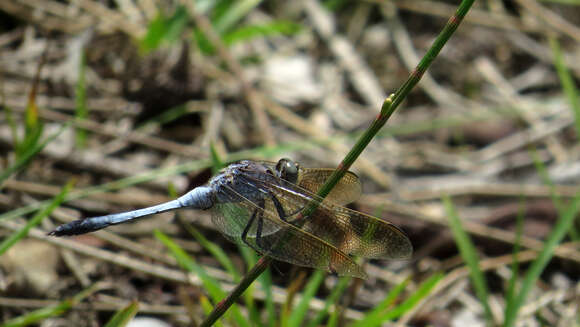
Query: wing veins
335	254
397	246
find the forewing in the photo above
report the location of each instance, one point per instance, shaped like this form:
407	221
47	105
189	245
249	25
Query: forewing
346	191
350	231
288	243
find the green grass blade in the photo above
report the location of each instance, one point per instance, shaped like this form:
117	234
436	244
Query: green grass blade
249	255
562	226
188	264
424	289
124	316
334	5
16	236
332	298
250	258
210	284
300	311
31	139
216	162
567	82
510	296
334	318
377	319
374	317
564	2
207	308
265	281
248	32
166	116
82	110
23	160
469	255
155	32
545	177
220	255
164	29
39	315
176	25
234	14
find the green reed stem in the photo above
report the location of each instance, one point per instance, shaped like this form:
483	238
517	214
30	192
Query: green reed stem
393	101
221	308
387	109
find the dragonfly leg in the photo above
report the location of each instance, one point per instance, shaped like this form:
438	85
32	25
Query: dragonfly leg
259	230
279	208
247	228
281	214
257	213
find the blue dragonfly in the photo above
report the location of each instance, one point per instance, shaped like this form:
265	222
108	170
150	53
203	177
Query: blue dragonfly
262	205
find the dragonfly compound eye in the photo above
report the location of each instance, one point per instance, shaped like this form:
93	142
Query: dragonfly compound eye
288	170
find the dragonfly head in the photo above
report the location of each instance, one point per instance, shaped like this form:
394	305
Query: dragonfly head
287	170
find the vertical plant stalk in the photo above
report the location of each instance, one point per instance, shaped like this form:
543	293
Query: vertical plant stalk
221	308
387	109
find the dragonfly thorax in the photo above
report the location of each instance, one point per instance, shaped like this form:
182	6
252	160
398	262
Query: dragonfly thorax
244	178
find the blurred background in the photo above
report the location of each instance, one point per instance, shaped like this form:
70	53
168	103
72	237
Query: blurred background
136	100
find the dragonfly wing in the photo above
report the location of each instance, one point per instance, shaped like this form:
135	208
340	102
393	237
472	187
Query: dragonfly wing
231	219
287	243
369	236
348	230
346	191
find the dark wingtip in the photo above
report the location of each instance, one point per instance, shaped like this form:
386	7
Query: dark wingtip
403	250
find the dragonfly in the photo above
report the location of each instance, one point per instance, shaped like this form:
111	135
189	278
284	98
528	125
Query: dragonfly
274	209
